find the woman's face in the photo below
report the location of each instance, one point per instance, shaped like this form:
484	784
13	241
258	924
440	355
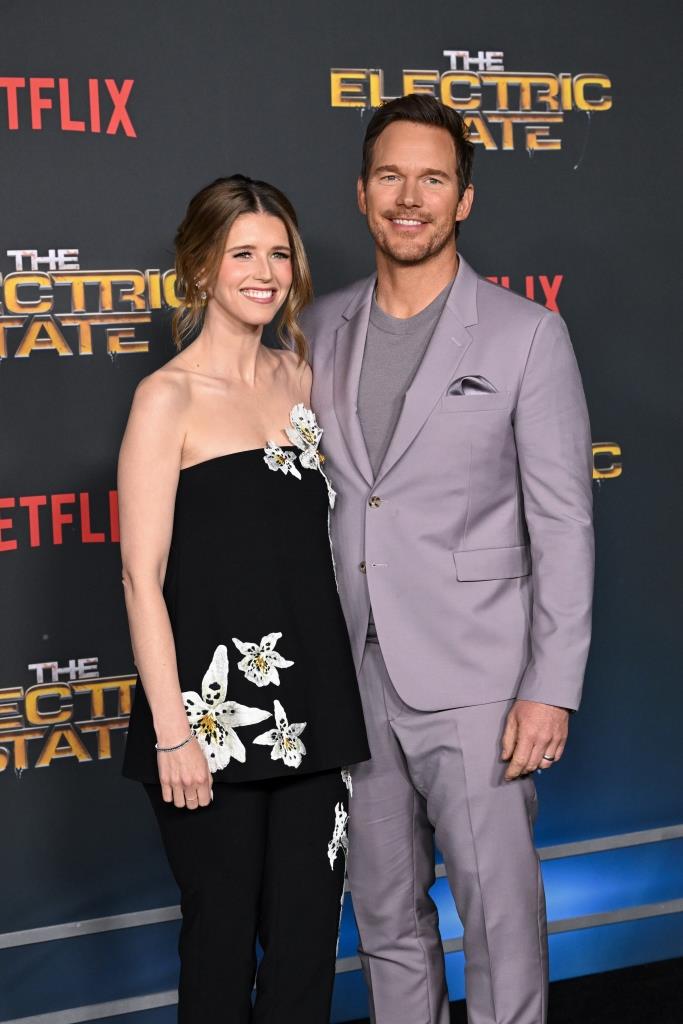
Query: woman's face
255	274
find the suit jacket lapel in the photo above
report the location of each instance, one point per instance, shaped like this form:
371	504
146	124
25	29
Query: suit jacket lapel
448	345
348	359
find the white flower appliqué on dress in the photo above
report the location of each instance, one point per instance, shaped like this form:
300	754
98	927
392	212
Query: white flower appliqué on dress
347	779
213	719
277	459
305	434
340	839
261	662
284	739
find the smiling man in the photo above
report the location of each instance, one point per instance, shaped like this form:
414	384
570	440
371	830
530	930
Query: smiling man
460	448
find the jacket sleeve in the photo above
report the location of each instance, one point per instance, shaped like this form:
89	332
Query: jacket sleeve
554	449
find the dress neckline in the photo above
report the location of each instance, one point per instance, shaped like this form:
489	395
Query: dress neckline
229	455
304	435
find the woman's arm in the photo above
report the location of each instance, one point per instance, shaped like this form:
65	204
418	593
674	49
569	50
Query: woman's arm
149	465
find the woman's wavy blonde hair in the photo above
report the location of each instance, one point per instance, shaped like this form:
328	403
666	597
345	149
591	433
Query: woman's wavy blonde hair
199	246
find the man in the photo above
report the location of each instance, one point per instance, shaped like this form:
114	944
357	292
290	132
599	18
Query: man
459	443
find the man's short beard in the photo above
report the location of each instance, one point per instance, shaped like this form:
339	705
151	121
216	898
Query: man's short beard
432	249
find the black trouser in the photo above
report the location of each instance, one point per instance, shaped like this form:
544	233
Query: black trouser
255	864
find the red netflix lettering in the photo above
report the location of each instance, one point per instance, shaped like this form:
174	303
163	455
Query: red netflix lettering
68	125
59	518
6	524
87	536
550	288
38	102
90	97
94	98
120	114
114	516
33	502
12	85
93	518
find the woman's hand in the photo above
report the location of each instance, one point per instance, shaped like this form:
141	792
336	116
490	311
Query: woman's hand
185	777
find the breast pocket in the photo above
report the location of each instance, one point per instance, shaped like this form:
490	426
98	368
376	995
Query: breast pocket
484	402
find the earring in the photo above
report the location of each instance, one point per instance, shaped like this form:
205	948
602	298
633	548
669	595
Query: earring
202	296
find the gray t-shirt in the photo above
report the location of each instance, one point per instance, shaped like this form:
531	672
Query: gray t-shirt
393	352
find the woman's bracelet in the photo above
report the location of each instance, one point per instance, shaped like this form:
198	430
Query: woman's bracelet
167	750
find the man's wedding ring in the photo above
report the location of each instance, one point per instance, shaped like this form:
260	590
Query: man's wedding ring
546	757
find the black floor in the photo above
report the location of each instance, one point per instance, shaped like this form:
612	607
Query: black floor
649	994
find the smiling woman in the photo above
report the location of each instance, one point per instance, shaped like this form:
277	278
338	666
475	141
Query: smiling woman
247	705
201	245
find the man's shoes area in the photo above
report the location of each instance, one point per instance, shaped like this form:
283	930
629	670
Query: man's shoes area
647	994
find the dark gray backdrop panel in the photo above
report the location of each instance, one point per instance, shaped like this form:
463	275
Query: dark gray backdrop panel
224	87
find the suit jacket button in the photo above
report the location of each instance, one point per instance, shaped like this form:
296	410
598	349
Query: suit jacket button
375	501
362	567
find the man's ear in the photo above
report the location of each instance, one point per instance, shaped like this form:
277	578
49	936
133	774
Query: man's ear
360	195
465	204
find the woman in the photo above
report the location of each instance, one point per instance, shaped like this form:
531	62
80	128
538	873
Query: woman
249	706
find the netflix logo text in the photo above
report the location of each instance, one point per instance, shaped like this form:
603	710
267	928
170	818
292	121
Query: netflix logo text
94	105
38	520
541	288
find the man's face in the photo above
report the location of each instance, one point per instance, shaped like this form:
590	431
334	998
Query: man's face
411	196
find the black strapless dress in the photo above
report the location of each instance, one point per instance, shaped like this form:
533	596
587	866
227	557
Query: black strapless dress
263	656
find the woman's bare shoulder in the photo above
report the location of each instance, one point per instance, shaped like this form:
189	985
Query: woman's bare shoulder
298	371
158	415
165	390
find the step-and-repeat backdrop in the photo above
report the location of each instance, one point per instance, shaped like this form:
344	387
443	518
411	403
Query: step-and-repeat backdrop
111	117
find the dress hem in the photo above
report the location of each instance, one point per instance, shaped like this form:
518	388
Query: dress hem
148	778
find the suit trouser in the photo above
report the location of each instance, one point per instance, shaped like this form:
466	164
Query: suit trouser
439	775
255	864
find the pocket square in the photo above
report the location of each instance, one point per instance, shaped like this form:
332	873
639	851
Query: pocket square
472	384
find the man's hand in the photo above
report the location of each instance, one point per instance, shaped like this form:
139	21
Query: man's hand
533	730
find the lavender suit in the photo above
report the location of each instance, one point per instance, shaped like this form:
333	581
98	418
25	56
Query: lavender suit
474	545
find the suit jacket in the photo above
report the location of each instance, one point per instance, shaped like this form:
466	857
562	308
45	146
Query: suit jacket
474	542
